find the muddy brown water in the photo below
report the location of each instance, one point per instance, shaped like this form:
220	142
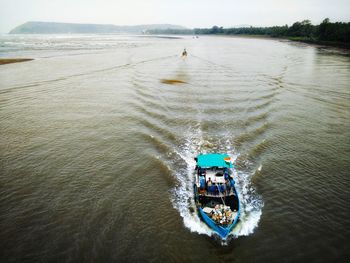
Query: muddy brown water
96	152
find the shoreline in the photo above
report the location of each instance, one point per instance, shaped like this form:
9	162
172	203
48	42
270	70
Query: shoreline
4	61
341	45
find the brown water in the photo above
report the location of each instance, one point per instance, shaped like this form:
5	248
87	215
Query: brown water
97	147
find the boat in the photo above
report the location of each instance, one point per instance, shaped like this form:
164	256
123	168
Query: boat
215	193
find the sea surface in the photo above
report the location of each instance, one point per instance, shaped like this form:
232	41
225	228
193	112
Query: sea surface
97	148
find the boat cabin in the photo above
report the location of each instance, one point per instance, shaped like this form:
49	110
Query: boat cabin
214	176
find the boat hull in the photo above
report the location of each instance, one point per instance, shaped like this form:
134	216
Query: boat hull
222	231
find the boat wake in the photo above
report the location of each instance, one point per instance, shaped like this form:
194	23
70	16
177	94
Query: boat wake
251	203
187	110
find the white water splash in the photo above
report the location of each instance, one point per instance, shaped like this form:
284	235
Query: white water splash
251	206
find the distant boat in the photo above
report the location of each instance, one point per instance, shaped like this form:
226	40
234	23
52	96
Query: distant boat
215	194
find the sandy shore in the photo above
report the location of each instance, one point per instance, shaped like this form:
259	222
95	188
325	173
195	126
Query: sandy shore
13	60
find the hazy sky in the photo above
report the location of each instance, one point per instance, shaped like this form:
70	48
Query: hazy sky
190	13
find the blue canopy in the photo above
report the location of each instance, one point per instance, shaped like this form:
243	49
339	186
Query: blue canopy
213	159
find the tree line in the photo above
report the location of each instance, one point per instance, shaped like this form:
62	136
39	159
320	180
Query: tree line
304	30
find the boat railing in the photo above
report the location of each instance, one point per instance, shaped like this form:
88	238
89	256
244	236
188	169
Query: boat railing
216	194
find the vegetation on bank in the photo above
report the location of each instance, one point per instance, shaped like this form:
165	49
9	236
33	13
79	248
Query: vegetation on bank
327	31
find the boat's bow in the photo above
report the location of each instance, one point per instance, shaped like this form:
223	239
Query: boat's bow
223	231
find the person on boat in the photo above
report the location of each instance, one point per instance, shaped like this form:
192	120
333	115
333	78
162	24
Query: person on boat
226	175
184	53
209	182
228	186
222	188
202	181
213	189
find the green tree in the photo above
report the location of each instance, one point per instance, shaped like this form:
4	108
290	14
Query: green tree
323	28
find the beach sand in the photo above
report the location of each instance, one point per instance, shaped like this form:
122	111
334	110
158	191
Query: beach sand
13	60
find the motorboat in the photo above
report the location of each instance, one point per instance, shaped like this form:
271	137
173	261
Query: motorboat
215	193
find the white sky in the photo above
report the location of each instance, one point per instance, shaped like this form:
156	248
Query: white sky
189	13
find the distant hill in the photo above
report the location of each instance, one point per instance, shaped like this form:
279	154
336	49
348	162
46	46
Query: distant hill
70	28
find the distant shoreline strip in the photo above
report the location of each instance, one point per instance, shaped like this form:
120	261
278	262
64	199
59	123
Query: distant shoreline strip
13	60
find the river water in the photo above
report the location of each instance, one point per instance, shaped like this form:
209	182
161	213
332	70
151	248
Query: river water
96	151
